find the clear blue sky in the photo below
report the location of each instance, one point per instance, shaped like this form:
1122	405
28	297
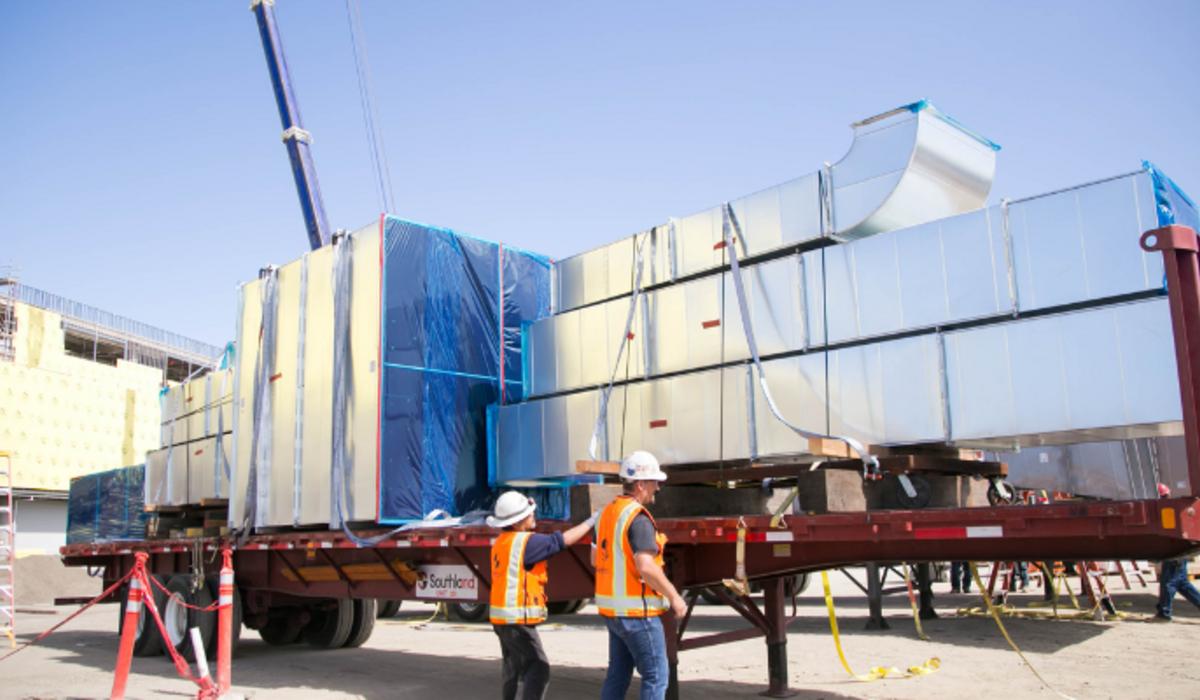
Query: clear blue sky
141	168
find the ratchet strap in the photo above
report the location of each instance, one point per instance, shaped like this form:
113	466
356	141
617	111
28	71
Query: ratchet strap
731	232
602	413
738	584
992	610
912	599
877	672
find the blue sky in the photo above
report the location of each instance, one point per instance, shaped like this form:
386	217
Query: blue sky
141	168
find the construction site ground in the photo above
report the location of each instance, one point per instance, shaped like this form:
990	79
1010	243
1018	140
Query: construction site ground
408	657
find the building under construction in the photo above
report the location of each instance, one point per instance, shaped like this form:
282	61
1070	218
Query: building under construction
79	394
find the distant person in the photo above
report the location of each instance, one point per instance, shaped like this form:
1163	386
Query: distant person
960	571
518	600
632	590
1172	579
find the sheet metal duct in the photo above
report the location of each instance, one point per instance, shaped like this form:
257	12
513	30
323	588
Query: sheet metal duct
1063	248
294	485
1103	373
1117	469
905	167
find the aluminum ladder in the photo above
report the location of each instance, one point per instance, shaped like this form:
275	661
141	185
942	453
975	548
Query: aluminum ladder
8	553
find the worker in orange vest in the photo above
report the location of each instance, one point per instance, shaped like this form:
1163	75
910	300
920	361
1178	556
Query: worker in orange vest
518	598
632	590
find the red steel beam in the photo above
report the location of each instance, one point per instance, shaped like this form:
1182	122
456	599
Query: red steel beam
1179	247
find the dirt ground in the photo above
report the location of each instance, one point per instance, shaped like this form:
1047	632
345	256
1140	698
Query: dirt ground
407	659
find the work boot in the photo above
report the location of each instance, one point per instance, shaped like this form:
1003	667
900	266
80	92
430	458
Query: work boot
955	590
1159	618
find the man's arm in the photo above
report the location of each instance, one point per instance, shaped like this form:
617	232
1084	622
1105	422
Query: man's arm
653	575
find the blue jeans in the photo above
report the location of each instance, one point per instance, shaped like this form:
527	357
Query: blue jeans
1172	580
960	571
636	642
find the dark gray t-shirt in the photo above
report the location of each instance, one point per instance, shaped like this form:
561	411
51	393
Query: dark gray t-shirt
641	535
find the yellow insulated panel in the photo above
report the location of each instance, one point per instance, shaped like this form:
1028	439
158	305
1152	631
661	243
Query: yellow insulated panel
63	417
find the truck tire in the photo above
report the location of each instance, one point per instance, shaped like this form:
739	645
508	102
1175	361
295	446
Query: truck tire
179	619
281	631
213	583
148	641
386	608
469	612
330	628
561	607
799	583
364	623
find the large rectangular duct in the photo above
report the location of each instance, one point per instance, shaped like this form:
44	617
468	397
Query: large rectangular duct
1103	373
1065	248
905	167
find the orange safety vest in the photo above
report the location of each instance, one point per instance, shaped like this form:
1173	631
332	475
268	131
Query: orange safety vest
518	596
620	591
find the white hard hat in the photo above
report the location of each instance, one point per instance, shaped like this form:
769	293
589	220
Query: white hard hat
511	507
641	466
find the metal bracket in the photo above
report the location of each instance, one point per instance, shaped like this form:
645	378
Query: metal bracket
297	133
907	485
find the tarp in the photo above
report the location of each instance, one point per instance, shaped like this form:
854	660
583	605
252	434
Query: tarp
453	307
106	507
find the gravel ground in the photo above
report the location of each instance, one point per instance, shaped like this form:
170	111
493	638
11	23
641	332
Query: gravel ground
407	659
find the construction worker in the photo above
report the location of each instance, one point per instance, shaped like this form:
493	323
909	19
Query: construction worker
1173	578
632	590
518	598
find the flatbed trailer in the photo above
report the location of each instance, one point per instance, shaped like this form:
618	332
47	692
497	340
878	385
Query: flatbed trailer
290	573
299	573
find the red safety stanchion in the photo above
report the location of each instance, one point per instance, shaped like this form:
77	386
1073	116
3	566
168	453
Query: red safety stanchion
133	608
225	623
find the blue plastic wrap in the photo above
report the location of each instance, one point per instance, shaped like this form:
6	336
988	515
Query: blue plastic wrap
107	507
453	309
1171	203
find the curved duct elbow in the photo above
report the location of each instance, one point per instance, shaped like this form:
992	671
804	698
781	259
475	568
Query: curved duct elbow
908	166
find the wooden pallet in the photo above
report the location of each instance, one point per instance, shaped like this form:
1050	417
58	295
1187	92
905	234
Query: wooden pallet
208	518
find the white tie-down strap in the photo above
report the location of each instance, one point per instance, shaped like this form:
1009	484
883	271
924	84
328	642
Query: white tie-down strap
730	231
602	414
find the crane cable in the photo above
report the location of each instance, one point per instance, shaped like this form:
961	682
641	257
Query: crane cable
366	93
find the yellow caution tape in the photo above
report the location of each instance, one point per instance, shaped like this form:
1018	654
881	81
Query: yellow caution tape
987	599
877	672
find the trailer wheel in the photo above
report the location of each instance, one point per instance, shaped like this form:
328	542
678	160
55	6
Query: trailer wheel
148	641
330	628
364	623
281	631
179	619
213	582
799	583
386	608
469	612
994	497
924	494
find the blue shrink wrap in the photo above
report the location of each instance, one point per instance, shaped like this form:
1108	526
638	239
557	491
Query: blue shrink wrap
107	506
453	307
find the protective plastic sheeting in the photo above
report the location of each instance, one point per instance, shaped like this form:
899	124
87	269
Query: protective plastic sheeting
453	311
106	507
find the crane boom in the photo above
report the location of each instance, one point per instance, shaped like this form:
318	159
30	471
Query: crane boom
297	140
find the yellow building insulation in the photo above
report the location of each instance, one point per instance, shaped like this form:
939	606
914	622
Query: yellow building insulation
63	417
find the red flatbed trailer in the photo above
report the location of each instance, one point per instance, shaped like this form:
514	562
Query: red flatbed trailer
289	571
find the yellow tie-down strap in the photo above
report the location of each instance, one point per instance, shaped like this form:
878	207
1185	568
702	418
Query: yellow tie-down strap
877	672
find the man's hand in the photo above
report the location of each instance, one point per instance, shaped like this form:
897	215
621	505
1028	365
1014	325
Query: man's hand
581	530
653	575
679	607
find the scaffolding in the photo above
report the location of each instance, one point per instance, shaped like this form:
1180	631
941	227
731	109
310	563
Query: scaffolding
8	313
8	553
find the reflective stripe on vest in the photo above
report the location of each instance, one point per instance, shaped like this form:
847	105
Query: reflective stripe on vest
516	594
630	596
